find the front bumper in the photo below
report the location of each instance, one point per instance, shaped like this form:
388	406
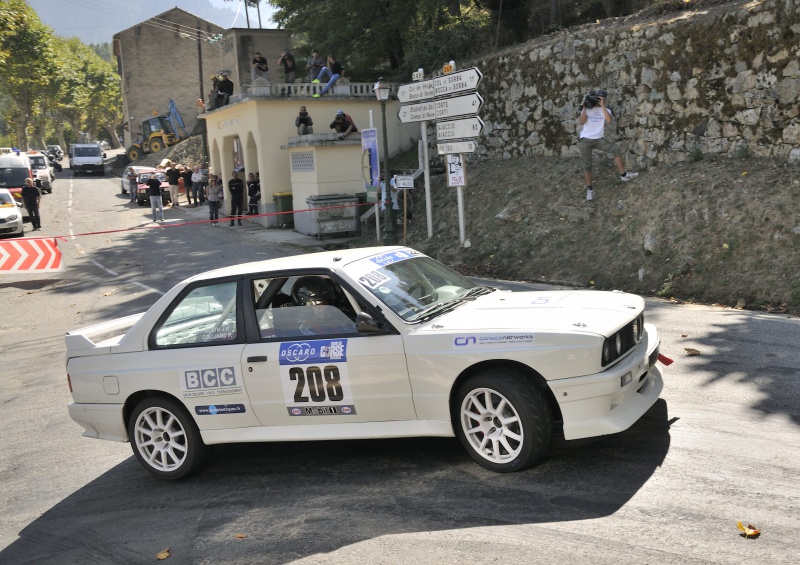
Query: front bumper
595	405
101	421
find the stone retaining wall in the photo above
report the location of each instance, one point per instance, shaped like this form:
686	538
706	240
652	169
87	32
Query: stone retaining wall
724	81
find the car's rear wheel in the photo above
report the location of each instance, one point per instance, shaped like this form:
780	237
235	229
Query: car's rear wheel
165	439
503	420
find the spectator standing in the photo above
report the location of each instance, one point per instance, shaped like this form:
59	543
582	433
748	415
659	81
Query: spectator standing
236	188
253	194
214	196
289	65
186	175
31	196
303	122
224	91
260	67
198	184
335	70
314	65
212	96
594	117
154	191
385	197
173	178
133	186
343	124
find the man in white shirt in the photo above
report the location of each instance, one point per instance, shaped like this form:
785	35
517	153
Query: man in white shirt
594	117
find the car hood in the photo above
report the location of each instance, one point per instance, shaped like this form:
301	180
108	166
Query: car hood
6	210
583	311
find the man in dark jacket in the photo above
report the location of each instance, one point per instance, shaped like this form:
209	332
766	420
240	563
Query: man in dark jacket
224	91
236	188
154	190
31	198
343	124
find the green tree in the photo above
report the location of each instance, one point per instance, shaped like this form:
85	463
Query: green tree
26	63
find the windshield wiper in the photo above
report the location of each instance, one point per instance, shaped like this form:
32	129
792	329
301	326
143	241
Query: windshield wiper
478	291
437	309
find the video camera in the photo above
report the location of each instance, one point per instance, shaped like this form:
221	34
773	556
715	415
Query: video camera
593	98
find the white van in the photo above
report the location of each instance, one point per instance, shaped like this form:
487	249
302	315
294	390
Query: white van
86	158
14	169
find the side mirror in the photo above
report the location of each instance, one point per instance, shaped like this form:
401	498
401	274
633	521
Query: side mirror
19	204
366	324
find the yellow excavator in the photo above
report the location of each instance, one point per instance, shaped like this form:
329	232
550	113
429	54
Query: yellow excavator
159	132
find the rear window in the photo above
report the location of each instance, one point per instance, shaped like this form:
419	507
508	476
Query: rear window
13	177
90	151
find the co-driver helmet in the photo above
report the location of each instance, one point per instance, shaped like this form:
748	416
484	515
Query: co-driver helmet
311	291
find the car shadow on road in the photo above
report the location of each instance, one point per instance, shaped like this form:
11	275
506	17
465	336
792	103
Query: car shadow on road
293	500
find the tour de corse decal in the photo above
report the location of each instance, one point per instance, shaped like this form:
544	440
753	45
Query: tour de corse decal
212	381
315	378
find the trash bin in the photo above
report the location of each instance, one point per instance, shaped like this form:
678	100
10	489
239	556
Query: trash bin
330	214
283	203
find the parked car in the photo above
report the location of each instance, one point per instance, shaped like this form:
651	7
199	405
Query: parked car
356	344
14	169
143	191
42	170
10	215
56	150
124	183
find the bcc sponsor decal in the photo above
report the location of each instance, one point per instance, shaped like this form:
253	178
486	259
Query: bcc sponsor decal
210	382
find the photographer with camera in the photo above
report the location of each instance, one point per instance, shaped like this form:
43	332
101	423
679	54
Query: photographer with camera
289	66
594	116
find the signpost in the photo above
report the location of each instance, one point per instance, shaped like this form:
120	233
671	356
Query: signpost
415	91
457	147
459	129
460	81
467	105
417	112
403	182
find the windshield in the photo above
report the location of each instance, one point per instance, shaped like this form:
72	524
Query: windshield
37	162
6	200
13	177
410	284
87	151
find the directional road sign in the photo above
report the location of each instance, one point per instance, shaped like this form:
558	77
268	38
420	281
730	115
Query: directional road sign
417	112
459	129
457	147
415	91
467	105
462	81
404	181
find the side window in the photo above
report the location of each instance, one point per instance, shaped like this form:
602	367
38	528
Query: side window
207	315
297	307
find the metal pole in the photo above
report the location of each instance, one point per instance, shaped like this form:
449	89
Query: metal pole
377	204
390	228
461	230
427	173
203	132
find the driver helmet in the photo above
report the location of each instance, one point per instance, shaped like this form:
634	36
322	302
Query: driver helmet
311	291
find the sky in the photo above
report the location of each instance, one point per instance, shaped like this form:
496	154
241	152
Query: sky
96	21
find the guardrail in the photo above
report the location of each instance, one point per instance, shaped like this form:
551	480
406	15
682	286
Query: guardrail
343	88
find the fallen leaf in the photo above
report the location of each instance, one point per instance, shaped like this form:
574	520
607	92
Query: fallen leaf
164	553
690	352
749	530
240	536
684	335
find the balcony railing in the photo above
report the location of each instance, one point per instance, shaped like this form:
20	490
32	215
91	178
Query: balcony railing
264	89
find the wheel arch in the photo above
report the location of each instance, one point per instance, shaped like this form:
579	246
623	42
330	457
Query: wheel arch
512	367
134	399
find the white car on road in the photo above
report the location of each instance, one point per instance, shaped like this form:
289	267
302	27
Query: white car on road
10	215
361	343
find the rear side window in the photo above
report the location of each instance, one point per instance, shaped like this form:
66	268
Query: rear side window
207	315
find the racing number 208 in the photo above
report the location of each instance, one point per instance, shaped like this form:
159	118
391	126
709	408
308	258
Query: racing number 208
323	384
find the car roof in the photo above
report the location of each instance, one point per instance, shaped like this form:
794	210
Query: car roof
333	260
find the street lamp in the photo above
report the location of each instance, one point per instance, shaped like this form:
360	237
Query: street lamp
390	227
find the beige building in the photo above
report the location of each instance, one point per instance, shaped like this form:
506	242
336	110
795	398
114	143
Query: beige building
160	59
256	132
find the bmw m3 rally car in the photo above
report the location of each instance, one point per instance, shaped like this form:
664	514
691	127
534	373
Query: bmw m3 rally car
361	343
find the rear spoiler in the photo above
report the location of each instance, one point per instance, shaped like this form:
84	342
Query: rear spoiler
87	338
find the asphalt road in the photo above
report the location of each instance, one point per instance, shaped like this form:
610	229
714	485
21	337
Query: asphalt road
722	444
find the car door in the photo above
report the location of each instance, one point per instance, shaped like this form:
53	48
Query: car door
336	375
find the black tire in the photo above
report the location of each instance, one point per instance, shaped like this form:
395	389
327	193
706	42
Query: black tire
134	153
156	145
503	420
140	201
165	439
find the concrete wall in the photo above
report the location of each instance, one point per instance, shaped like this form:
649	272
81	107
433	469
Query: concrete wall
157	64
721	80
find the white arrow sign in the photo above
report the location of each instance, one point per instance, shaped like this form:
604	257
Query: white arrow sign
457	147
417	112
415	91
459	129
468	79
458	106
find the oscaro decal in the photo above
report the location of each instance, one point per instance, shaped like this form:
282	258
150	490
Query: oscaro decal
214	409
347	410
308	353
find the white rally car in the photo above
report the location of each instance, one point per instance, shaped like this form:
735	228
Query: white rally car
361	343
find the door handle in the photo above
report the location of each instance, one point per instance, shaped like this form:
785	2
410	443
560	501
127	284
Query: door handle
257	359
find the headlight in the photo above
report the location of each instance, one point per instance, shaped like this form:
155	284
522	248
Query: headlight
12	218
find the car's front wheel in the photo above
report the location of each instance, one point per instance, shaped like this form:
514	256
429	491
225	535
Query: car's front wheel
503	420
165	439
